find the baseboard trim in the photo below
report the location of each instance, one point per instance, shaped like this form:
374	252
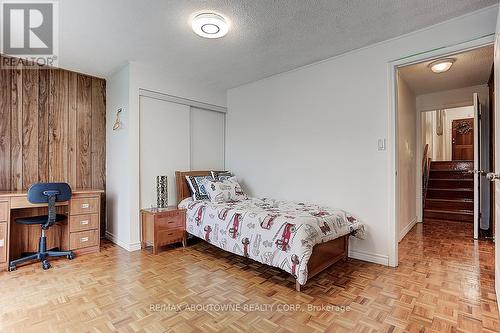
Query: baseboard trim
403	232
370	257
129	247
497	285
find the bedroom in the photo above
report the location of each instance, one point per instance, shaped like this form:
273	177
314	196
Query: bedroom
299	107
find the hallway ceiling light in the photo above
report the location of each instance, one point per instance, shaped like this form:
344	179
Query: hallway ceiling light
210	25
441	65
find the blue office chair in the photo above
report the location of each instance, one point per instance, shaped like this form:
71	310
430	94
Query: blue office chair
48	193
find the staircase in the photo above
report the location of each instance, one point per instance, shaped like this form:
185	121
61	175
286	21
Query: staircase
450	191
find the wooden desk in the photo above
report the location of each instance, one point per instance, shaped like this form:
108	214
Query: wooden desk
80	232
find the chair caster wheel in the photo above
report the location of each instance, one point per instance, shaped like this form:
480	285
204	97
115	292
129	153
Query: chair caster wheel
45	265
12	268
71	256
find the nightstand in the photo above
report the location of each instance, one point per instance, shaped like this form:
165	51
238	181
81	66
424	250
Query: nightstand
162	226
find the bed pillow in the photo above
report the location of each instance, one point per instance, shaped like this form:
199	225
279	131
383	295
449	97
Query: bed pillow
226	190
197	187
220	191
221	175
240	195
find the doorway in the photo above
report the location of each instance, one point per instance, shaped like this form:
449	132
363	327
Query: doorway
427	91
448	181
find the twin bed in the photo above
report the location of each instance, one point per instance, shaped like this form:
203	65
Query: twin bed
301	239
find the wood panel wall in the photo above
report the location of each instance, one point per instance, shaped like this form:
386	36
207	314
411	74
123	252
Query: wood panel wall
52	127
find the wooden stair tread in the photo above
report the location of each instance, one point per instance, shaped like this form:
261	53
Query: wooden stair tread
451	200
454	161
457	212
450	189
454	179
449	170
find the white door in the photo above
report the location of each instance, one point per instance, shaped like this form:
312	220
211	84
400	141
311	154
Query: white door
476	165
207	139
497	159
164	146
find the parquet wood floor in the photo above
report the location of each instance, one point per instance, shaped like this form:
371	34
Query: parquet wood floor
445	283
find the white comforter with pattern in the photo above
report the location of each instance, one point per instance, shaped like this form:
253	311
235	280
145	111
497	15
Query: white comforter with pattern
277	233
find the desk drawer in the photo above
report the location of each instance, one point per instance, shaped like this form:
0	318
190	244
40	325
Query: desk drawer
4	211
83	222
82	239
80	206
3	242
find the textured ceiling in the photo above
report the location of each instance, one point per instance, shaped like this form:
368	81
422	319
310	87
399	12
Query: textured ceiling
266	36
470	68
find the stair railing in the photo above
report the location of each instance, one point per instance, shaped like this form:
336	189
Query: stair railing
426	166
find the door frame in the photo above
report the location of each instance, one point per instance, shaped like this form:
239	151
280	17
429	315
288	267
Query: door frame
393	128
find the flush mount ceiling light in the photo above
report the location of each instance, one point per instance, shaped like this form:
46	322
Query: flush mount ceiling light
210	25
441	65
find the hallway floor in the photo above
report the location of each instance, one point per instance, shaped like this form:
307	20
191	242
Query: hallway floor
453	278
445	283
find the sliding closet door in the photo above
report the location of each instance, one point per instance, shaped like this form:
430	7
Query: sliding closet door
207	139
164	145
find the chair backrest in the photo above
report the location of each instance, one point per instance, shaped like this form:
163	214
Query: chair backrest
40	192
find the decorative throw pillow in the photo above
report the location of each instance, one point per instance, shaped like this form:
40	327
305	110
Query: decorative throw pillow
239	194
221	175
220	191
197	188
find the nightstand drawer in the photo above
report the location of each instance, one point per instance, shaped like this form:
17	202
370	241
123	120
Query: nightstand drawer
170	236
84	205
170	222
4	211
83	222
82	239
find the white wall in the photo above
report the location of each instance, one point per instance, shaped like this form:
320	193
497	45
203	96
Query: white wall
125	231
407	158
311	134
428	120
117	153
452	98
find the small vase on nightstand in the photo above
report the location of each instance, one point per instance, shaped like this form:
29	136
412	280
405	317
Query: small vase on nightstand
161	192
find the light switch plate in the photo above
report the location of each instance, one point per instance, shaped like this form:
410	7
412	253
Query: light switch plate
381	144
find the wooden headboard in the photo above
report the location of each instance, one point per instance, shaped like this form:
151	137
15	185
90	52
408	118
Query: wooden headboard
181	185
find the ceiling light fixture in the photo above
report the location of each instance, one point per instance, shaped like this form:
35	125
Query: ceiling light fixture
441	65
210	25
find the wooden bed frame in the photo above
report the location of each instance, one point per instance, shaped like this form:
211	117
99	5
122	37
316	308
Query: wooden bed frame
323	255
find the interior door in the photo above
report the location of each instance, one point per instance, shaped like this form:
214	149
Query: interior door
462	141
476	134
496	117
